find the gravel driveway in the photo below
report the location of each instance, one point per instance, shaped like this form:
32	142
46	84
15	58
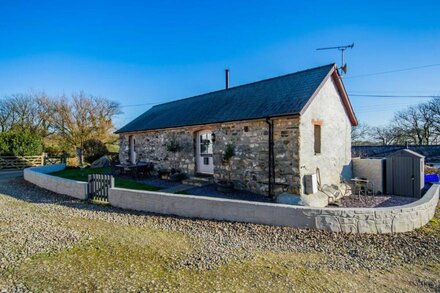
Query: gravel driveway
35	222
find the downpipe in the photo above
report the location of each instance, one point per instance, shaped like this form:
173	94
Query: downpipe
271	171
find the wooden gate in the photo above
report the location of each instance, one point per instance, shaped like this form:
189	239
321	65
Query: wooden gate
98	186
16	162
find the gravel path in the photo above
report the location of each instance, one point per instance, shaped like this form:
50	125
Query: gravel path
30	233
367	201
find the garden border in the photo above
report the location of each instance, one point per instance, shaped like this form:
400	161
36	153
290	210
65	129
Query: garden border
395	219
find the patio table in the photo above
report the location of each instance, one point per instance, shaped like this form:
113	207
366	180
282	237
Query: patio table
361	185
133	168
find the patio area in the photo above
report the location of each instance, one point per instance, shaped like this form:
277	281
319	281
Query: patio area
209	190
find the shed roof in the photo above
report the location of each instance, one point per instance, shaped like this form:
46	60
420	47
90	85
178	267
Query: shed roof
406	153
284	95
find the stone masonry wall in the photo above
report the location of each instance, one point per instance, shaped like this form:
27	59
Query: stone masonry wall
151	147
249	165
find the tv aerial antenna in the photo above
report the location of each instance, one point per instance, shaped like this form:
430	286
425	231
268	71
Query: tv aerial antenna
342	49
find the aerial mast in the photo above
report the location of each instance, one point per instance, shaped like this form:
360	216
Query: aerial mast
342	49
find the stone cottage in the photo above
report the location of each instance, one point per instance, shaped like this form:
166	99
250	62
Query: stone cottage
281	129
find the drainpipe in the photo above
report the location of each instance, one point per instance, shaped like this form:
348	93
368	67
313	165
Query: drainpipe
271	173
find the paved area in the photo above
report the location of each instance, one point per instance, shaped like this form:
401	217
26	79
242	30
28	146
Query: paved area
209	190
177	188
154	181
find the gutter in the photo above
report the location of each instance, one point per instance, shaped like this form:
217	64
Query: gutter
293	115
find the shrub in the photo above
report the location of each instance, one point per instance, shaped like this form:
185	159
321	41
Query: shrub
174	146
93	149
20	143
229	153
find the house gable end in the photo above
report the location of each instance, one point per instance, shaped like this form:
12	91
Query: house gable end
334	75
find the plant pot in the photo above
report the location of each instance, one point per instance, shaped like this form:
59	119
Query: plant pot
225	186
163	174
177	176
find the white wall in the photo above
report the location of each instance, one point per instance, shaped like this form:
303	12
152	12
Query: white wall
39	177
372	169
351	220
335	156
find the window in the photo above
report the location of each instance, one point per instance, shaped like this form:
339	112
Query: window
317	138
205	144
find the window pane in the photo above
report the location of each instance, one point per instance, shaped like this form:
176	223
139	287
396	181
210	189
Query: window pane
205	144
317	137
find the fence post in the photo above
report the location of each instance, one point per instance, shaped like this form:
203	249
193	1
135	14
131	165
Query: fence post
112	181
63	158
89	187
43	159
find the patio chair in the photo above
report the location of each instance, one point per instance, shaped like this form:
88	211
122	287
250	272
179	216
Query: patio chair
144	170
114	170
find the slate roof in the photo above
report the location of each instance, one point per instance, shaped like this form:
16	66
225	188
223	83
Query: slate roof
283	95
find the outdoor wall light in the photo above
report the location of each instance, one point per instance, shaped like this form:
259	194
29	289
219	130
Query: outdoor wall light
213	137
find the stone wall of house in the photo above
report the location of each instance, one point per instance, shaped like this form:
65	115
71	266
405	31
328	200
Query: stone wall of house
249	167
152	147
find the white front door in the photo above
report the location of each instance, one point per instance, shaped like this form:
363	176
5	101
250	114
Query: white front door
205	162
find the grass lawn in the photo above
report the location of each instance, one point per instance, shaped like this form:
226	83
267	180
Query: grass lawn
81	175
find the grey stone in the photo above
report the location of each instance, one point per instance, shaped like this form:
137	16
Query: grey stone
103	161
328	223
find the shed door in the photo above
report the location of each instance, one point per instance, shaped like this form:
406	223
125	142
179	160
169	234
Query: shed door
403	176
205	162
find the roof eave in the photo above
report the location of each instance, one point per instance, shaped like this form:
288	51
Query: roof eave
210	123
341	89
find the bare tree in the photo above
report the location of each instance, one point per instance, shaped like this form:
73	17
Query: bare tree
26	111
84	117
361	134
384	135
434	112
6	115
414	124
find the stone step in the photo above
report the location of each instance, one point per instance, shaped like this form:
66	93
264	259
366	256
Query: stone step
203	178
195	181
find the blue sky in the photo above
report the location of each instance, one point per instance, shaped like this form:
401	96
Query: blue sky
154	51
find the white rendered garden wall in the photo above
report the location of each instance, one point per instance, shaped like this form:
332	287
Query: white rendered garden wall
351	220
39	177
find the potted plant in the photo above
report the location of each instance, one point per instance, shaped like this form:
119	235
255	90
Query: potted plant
226	185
